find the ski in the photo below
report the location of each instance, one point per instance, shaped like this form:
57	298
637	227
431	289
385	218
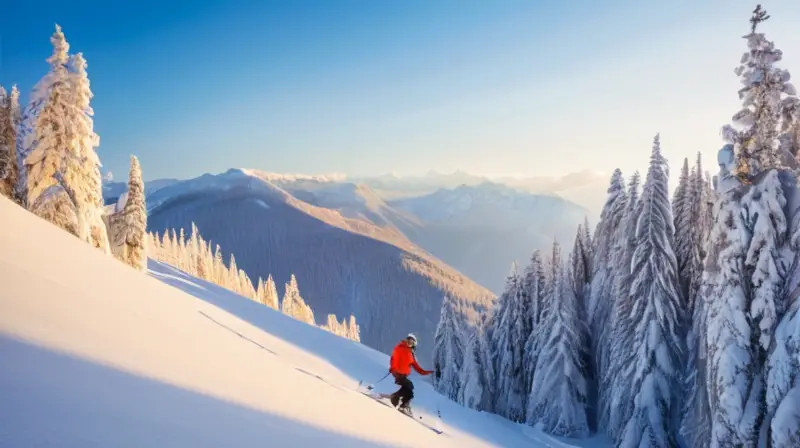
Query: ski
380	397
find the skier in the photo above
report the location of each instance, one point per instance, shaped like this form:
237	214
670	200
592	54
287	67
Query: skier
400	367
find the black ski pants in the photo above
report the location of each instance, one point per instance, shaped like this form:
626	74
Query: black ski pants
406	391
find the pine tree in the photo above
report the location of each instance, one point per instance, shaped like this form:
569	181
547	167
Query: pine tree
233	276
580	260
656	313
756	145
81	174
131	235
683	224
9	116
698	199
533	283
538	338
448	352
558	397
219	268
271	293
730	371
783	368
293	304
47	143
617	397
353	329
508	331
601	291
537	289
477	373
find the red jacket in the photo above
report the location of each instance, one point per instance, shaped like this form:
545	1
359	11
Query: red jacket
403	359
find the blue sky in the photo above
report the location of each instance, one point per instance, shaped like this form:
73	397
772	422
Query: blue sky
364	87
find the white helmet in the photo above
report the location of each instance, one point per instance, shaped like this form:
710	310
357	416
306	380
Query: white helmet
412	338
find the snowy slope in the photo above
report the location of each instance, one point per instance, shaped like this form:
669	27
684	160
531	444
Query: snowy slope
97	354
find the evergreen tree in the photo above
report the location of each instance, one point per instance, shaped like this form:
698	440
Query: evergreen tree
617	397
131	235
683	224
756	144
783	369
9	117
600	293
448	352
698	199
47	144
260	292
81	174
731	371
656	313
353	330
533	282
558	398
471	392
581	265
537	287
233	276
271	294
477	378
508	331
293	304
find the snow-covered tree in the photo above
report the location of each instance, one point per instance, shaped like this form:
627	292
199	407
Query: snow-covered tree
657	345
477	374
698	195
538	337
81	173
219	268
600	303
270	293
233	276
783	369
617	401
448	352
558	397
765	87
353	329
293	304
683	224
47	143
534	285
731	371
9	119
507	333
133	226
581	265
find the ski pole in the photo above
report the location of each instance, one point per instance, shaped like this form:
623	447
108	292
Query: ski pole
371	386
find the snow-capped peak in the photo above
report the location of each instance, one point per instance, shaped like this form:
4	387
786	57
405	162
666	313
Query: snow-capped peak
281	177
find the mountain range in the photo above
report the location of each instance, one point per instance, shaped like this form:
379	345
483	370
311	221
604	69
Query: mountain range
388	258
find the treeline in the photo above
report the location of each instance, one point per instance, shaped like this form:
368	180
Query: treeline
194	255
675	323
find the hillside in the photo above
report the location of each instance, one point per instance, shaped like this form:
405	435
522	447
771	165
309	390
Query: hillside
97	354
477	229
343	265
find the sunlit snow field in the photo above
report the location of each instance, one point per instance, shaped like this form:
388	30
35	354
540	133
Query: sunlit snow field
94	353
